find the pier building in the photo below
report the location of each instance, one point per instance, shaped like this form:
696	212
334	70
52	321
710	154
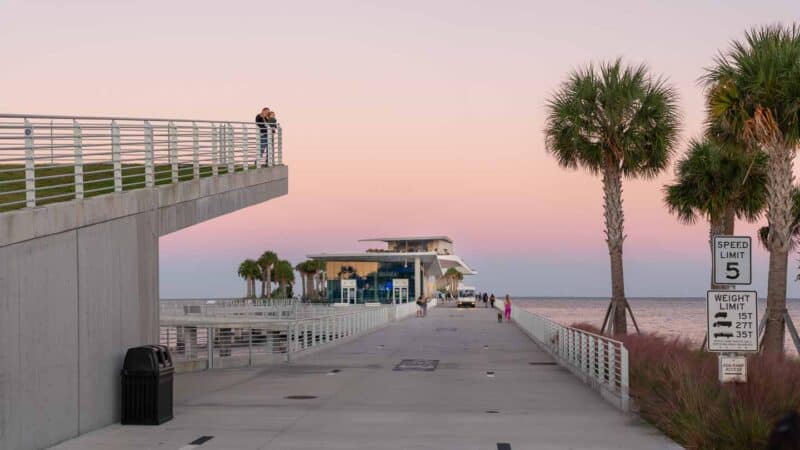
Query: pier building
399	272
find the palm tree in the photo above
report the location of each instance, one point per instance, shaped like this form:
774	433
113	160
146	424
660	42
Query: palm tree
717	185
307	271
617	122
318	267
266	262
454	276
249	270
757	97
283	274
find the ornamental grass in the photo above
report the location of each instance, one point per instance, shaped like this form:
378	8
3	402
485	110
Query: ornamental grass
675	387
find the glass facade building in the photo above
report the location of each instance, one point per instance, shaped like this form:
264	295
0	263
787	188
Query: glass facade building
374	281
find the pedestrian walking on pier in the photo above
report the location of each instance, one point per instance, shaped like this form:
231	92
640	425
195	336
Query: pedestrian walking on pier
491	301
485	300
508	307
423	306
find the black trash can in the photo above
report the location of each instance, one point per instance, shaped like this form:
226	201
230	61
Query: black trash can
147	376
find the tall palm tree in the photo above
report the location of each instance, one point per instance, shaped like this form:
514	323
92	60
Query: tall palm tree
757	96
266	262
283	274
719	186
618	122
249	270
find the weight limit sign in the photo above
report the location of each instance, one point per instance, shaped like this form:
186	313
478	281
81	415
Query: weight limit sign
732	321
732	259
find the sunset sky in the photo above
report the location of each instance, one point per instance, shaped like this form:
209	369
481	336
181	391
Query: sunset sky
399	118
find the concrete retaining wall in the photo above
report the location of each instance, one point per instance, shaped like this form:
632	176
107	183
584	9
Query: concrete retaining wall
79	285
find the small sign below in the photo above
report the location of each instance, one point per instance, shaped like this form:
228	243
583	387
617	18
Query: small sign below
732	369
732	260
732	321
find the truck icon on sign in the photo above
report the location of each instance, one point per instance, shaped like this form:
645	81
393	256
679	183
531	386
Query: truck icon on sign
725	335
723	323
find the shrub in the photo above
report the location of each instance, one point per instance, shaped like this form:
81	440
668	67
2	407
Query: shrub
675	387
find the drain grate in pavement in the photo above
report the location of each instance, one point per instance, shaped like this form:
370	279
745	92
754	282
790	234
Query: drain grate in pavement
492	411
446	329
425	365
300	397
543	363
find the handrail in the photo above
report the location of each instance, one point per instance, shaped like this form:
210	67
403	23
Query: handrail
155	119
599	361
230	336
47	159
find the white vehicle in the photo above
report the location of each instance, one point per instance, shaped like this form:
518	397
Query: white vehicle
466	297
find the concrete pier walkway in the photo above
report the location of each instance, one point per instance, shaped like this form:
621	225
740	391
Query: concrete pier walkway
361	402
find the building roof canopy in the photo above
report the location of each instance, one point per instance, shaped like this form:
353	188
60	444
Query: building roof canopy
408	238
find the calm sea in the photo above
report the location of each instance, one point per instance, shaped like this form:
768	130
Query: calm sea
673	317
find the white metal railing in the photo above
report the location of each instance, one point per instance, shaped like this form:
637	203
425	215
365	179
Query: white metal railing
236	333
597	360
46	159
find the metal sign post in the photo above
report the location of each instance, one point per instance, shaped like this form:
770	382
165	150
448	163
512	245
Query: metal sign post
732	318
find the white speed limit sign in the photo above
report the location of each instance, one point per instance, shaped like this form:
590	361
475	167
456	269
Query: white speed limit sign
732	259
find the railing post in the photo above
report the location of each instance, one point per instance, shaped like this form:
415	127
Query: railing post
173	150
210	345
116	156
77	143
601	350
195	151
30	167
214	168
624	379
612	365
279	146
149	180
245	148
250	348
229	147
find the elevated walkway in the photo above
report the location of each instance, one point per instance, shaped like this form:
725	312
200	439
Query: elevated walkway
81	213
528	403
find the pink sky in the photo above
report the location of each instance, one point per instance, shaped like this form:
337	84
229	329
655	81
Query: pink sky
399	118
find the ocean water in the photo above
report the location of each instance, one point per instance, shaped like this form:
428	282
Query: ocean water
672	317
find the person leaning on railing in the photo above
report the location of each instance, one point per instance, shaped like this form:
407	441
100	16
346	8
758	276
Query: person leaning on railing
267	123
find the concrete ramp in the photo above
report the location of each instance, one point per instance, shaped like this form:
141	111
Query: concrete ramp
79	285
456	379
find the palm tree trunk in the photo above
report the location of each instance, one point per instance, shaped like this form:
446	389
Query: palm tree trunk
780	179
612	197
304	281
717	228
729	221
264	278
268	283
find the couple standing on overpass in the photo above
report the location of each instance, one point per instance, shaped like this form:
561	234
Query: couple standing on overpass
267	123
